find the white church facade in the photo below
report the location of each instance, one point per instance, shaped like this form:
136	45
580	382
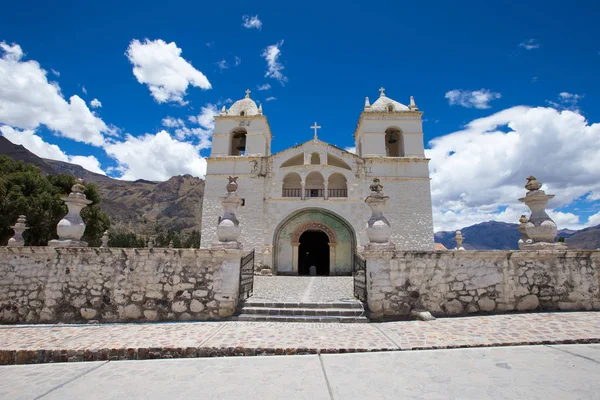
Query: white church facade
305	206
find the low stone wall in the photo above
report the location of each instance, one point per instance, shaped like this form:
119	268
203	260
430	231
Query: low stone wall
464	282
42	284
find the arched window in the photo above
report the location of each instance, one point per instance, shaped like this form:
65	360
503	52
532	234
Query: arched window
337	186
390	107
242	113
292	185
315	159
315	185
238	142
394	143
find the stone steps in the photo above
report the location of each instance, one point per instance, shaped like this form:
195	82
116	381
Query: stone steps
349	311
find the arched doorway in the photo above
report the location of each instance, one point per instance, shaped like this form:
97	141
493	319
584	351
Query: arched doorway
340	240
313	253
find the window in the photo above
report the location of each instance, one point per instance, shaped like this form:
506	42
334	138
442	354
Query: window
394	143
238	142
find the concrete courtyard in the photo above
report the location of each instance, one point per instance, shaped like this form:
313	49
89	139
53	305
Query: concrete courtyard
523	372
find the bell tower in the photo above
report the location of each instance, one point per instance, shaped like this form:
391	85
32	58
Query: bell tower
241	130
388	128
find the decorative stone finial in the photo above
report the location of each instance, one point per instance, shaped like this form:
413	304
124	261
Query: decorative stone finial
19	227
70	229
540	229
412	106
382	92
223	110
248	93
260	109
367	104
151	240
458	238
378	227
228	230
171	244
522	228
104	239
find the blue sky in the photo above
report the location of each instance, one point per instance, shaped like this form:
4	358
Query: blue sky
463	61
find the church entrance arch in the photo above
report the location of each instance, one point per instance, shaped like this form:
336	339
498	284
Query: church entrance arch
313	237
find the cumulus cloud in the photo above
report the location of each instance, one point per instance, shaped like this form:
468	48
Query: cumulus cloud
274	67
169	157
55	72
206	122
530	44
95	103
271	98
222	65
160	66
478	173
251	22
39	147
567	101
171	122
471	99
28	100
266	86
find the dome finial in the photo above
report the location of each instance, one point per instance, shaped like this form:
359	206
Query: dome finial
367	104
382	91
247	93
260	109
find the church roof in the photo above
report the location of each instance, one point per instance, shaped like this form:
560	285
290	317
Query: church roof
245	105
383	104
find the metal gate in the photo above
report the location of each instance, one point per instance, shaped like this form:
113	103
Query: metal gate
359	273
247	276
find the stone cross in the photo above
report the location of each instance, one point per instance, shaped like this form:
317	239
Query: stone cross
315	127
382	92
247	93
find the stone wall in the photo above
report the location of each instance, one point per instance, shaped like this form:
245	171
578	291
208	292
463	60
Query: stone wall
465	282
42	284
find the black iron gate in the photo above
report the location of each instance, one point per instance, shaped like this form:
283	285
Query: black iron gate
247	276
359	272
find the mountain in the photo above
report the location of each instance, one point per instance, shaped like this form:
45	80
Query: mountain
132	206
494	235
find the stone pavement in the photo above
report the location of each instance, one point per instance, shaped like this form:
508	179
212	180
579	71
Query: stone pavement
303	288
24	344
525	372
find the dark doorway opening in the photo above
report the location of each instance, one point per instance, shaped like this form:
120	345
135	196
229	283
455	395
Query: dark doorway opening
313	250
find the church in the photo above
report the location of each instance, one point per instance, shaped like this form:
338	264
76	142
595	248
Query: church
305	206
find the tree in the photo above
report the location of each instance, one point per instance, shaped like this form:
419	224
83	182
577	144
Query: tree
24	189
127	240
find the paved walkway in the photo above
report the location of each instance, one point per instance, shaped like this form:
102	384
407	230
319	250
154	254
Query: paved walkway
23	344
528	372
303	288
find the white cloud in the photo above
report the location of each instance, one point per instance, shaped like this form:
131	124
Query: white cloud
271	98
206	122
83	89
594	220
40	148
156	157
251	22
28	100
55	72
222	65
478	173
534	79
530	44
12	53
95	103
274	67
238	61
266	86
160	66
171	122
471	99
351	149
567	101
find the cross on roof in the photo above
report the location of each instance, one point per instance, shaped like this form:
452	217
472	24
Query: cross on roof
315	127
382	90
247	92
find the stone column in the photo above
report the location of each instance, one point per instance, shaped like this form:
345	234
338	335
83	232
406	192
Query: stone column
228	230
303	194
332	260
70	229
539	228
295	254
325	192
19	227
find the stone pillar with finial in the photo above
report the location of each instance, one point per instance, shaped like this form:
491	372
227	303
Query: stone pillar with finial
151	240
19	227
171	244
539	228
228	230
522	224
70	229
378	227
104	239
458	238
